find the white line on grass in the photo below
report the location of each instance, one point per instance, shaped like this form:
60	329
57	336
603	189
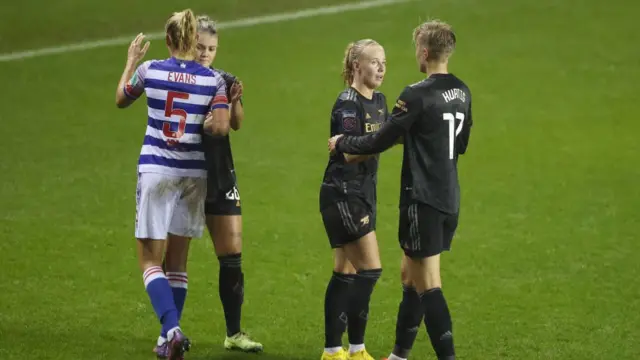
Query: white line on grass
252	21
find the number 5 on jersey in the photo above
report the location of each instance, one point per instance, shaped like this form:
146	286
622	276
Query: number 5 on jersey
452	127
169	111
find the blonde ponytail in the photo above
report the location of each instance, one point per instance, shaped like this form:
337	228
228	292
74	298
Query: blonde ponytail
347	65
181	32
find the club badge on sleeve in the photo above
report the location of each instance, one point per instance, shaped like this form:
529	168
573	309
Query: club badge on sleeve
349	120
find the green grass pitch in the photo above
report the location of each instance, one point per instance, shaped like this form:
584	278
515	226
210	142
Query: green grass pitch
545	264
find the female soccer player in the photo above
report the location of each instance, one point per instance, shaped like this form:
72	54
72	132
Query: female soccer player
222	204
434	118
171	169
348	203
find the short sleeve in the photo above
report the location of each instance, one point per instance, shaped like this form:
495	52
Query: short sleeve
134	88
220	99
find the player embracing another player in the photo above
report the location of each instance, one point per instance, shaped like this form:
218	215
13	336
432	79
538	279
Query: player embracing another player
222	206
348	203
184	100
434	118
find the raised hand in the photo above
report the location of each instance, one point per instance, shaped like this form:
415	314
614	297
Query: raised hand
136	53
236	91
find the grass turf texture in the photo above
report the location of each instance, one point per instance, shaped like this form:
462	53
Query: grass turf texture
545	262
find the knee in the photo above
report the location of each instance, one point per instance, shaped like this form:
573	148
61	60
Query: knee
433	281
150	253
344	267
370	264
422	273
229	243
235	241
149	263
429	280
176	260
404	277
175	266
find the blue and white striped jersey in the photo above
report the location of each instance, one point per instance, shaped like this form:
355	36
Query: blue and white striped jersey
179	95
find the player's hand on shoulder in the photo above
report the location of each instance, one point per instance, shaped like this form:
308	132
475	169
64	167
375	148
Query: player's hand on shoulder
136	53
236	91
333	142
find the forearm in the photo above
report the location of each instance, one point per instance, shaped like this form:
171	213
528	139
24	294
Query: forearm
121	98
218	122
385	138
236	116
352	159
